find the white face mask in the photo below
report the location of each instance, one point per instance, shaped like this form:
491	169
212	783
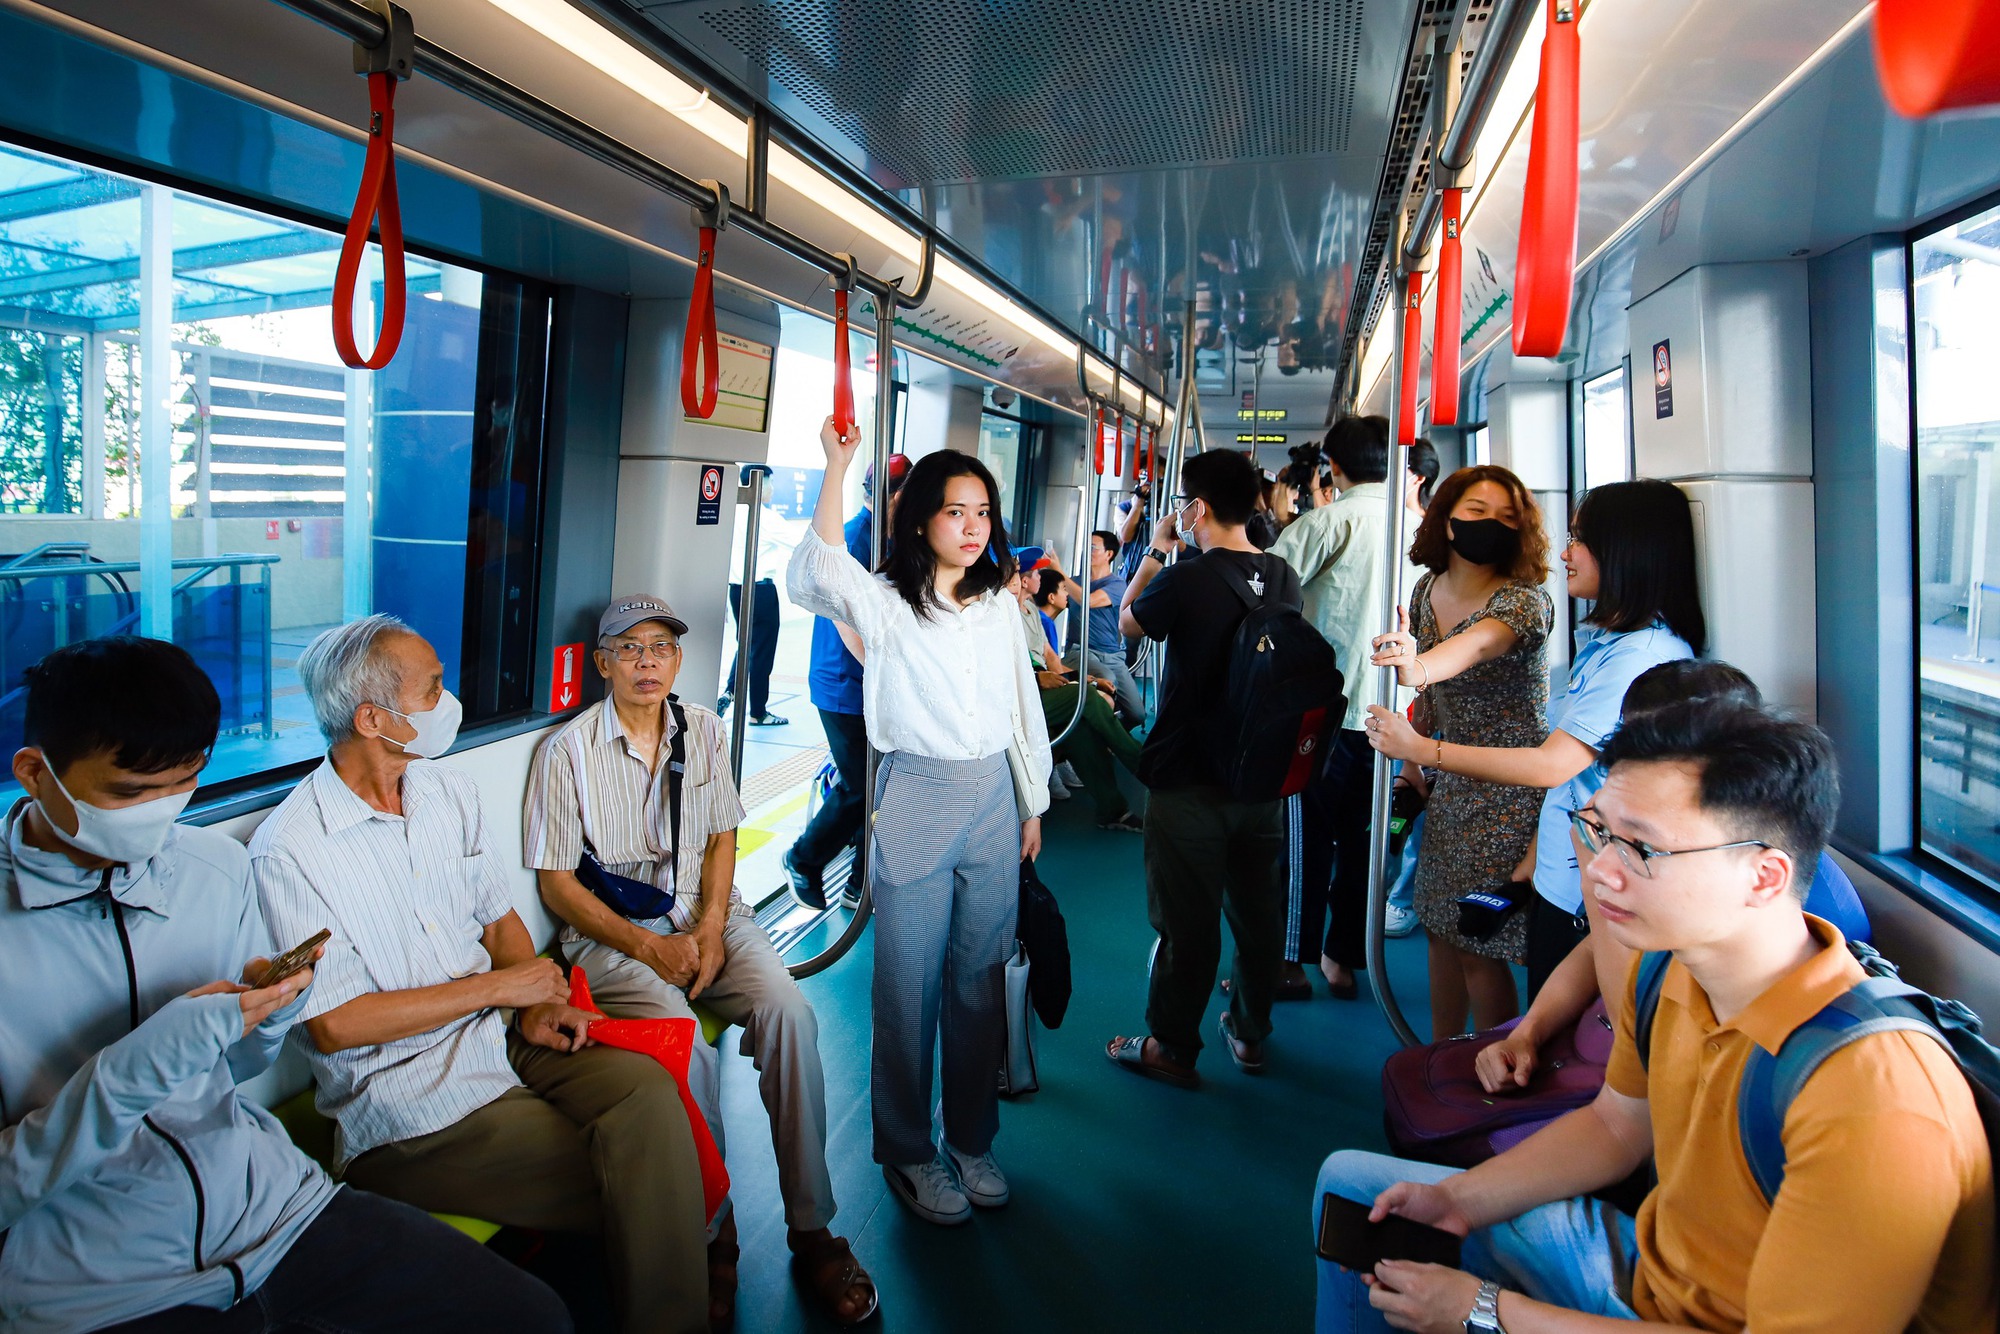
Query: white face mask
127	834
437	727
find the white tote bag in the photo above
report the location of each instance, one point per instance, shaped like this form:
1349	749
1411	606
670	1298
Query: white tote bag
1017	1062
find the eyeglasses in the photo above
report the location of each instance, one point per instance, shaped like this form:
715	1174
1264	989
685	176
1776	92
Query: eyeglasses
1638	857
629	652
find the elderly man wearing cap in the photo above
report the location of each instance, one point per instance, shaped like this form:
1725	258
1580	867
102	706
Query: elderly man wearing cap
630	823
441	1101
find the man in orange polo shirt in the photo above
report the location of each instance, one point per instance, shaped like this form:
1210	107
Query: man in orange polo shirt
1885	1217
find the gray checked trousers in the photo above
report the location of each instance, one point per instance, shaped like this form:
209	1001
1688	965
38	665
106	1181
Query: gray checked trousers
946	874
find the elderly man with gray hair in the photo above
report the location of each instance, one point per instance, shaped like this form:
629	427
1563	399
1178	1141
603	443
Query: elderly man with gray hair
630	823
440	1101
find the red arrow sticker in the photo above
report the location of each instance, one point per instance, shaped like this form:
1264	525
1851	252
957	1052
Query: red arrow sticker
566	680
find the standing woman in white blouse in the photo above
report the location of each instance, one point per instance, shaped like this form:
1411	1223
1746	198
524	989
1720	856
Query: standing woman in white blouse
947	674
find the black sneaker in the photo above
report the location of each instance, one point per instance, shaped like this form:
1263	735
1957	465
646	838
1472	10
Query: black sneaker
809	889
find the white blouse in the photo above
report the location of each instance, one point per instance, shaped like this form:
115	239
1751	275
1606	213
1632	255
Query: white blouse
947	686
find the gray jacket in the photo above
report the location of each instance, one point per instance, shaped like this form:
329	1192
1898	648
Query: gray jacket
133	1177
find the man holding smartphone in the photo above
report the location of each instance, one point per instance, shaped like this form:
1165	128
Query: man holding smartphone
1882	1220
125	1030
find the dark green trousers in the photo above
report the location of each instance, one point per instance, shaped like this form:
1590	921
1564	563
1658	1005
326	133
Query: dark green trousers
1099	743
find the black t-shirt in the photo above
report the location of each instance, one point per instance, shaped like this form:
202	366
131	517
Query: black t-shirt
1197	614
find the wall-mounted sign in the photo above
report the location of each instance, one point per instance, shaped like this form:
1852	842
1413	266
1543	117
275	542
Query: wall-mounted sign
566	680
1261	414
743	383
1262	438
708	505
1663	379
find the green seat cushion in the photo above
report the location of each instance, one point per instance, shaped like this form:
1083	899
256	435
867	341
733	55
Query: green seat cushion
711	1023
313	1134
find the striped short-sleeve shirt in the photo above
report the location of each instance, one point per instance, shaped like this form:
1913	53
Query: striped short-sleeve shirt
407	898
589	785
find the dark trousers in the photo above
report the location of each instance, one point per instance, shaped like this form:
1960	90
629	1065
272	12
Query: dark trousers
1552	934
1209	856
1333	861
763	644
837	822
369	1263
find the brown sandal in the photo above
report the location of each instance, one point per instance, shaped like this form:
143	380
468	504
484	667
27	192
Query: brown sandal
828	1268
723	1254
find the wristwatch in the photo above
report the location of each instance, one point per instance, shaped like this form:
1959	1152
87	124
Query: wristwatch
1485	1316
1156	554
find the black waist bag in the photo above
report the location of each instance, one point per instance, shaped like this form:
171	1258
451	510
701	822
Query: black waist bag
1283	700
636	899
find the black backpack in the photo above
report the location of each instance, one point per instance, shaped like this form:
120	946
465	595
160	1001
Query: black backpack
1282	695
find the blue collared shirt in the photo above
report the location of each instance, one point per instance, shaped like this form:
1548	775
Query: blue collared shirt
118	1099
1606	664
835	676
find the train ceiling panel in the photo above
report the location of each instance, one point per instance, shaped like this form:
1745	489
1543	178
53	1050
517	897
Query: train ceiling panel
935	91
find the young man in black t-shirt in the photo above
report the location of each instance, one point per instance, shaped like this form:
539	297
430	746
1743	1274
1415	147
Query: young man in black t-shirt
1206	853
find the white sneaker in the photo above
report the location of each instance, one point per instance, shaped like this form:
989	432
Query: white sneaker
980	1178
1399	921
930	1191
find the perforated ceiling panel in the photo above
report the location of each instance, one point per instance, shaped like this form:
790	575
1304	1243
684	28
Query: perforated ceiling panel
957	90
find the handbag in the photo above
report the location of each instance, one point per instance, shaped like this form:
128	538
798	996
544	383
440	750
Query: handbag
1031	791
638	900
1435	1109
1017	1058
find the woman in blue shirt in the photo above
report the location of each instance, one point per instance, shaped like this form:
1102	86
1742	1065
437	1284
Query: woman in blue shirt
1631	554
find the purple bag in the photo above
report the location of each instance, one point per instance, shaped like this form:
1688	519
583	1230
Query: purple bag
1435	1110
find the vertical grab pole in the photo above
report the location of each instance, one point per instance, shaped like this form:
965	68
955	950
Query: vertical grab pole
1385	685
878	540
752	481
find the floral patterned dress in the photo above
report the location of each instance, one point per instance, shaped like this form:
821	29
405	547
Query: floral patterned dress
1476	830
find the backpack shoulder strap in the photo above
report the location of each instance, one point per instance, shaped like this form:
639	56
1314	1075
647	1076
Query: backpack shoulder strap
1240	587
1646	1001
676	771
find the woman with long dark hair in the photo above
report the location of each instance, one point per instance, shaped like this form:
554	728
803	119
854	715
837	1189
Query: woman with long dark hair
952	705
1631	554
1478	639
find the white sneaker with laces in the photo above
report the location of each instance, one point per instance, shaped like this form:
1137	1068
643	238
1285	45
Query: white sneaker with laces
980	1178
1399	921
930	1191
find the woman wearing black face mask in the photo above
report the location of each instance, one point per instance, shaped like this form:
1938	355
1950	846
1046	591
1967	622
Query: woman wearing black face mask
1475	647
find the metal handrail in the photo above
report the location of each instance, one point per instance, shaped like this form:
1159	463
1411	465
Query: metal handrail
1385	683
1086	505
750	478
203	564
48	548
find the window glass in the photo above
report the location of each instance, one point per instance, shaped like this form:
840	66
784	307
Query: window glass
1478	447
292	493
1956	341
1000	450
1607	450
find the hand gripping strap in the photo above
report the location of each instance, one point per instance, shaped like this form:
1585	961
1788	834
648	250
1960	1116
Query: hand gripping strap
1934	55
843	368
376	198
671	1043
1544	266
1450	317
698	396
1413	351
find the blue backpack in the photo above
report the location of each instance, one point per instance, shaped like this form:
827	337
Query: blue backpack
1880	1003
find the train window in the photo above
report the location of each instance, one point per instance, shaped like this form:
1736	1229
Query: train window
1955	277
262	491
1478	446
1607	445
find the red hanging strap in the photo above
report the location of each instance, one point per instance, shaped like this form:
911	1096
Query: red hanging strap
1545	265
1097	454
1934	55
843	378
1449	318
376	199
1152	452
1118	446
698	394
1413	351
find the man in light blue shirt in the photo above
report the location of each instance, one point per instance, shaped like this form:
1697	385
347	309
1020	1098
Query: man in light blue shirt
138	1188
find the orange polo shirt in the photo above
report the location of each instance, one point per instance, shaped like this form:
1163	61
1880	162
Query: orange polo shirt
1885	1218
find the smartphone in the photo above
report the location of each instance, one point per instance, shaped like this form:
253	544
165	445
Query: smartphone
296	959
1347	1238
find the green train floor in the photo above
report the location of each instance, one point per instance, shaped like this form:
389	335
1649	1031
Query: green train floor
1135	1205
